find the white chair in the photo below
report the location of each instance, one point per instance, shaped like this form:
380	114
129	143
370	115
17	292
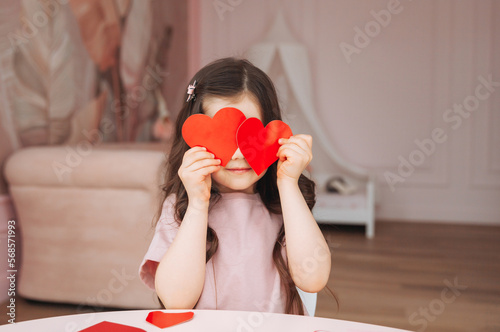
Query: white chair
309	300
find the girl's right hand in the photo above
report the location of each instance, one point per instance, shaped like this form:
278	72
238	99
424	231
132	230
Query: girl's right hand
197	165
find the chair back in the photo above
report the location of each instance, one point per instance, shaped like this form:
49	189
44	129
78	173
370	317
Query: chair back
309	300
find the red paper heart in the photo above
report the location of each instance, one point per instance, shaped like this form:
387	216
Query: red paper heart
259	144
217	134
111	327
166	319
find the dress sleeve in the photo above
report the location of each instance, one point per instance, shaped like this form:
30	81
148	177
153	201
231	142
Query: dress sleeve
165	232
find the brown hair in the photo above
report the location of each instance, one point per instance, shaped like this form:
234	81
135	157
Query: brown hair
227	78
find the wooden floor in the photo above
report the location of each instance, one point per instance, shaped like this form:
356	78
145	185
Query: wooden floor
411	275
425	277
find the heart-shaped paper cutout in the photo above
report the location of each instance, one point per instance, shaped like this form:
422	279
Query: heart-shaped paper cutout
166	319
111	327
217	134
259	144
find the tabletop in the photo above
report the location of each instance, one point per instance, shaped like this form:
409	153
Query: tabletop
203	320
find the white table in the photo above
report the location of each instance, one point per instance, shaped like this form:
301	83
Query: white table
203	320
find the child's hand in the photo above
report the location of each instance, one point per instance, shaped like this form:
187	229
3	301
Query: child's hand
197	165
294	154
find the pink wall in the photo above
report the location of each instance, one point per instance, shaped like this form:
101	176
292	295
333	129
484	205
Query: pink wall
396	89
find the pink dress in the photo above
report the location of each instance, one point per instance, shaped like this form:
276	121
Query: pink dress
245	274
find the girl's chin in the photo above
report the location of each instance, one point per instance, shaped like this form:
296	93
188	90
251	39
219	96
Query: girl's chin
241	180
233	186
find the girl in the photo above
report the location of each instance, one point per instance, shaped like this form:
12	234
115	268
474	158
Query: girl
220	240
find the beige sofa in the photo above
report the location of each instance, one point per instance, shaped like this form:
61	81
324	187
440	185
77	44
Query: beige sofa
85	214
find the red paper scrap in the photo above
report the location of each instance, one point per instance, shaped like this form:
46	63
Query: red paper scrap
111	327
166	319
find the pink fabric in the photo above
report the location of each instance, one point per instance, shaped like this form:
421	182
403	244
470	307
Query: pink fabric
245	274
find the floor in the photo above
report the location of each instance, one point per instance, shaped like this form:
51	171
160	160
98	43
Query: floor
420	277
415	276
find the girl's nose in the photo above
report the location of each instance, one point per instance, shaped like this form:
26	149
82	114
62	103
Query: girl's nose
237	155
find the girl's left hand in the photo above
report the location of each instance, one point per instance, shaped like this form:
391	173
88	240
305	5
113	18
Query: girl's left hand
294	154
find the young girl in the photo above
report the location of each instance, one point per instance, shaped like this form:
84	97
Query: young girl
220	240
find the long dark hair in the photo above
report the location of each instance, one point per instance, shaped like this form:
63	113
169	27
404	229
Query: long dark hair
227	78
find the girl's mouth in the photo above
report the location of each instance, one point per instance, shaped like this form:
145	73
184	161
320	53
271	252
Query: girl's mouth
239	170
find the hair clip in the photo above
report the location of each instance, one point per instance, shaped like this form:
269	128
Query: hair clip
190	92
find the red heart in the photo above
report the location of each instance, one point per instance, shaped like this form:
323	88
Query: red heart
111	327
217	134
167	319
259	144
